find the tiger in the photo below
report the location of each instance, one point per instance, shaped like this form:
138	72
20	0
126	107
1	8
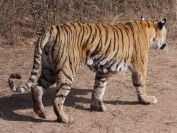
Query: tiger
106	49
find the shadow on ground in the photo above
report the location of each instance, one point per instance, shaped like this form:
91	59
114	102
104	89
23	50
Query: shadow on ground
8	105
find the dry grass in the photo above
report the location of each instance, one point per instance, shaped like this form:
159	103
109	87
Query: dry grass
22	20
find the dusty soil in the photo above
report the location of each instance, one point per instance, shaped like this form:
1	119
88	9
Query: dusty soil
124	114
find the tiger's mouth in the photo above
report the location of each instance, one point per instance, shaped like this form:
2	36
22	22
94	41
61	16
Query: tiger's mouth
163	46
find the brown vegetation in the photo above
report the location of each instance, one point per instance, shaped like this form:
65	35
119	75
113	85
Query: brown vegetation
24	19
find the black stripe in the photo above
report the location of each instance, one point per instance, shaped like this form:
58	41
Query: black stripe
118	64
100	78
99	46
34	73
89	37
58	33
73	26
67	36
127	52
36	64
66	39
69	28
129	24
51	30
100	58
74	35
59	55
134	41
106	33
122	39
98	29
58	71
31	79
64	84
111	64
107	53
114	38
71	42
70	65
117	35
137	85
87	53
137	25
119	29
81	31
56	39
37	55
78	43
113	60
135	50
142	60
94	34
97	86
148	24
27	87
66	75
95	50
74	55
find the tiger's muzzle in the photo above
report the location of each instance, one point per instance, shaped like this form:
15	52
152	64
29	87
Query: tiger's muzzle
163	46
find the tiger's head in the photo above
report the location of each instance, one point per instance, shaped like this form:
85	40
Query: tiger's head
158	36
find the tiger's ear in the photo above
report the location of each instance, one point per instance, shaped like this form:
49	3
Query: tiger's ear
161	23
142	18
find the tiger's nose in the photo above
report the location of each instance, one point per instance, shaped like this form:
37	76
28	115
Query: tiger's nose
163	46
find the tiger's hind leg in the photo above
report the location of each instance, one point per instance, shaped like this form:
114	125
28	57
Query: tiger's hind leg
46	79
99	89
38	107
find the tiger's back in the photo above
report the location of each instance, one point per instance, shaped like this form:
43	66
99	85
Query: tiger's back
102	47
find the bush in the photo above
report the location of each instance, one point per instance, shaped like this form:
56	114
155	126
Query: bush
24	19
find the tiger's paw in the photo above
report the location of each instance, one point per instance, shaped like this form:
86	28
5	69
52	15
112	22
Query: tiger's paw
97	106
147	99
152	99
65	119
40	112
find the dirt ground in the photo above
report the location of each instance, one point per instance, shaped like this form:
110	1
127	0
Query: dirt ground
124	114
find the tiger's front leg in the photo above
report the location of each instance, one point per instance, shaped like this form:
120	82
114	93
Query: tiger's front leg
99	90
139	80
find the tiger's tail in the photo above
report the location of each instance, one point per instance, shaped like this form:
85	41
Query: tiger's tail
42	41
